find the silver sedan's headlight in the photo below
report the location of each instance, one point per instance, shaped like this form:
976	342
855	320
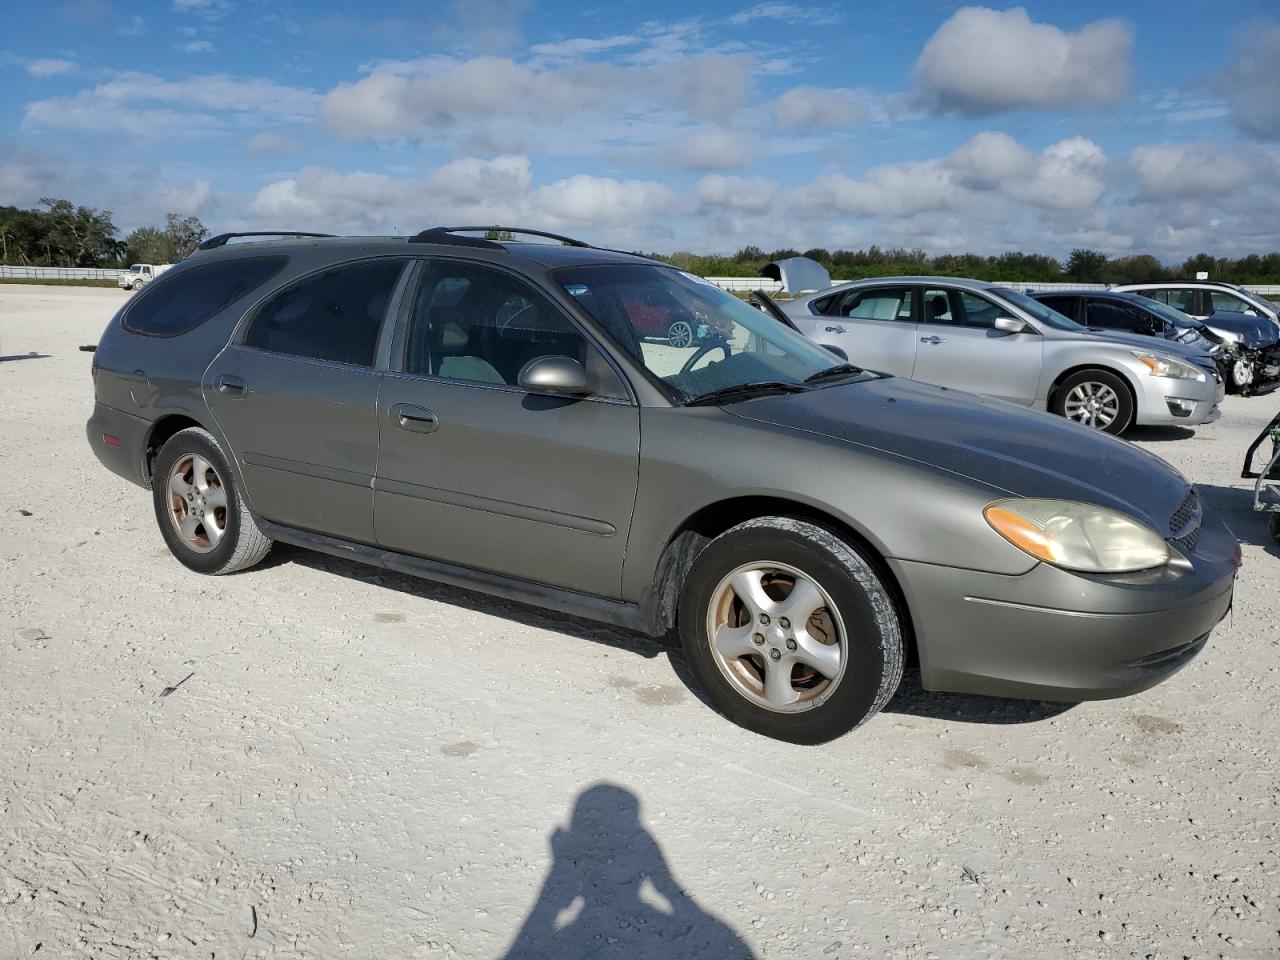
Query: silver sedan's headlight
1161	366
1077	536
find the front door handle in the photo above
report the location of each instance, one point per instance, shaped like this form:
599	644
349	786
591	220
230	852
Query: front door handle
231	386
411	417
835	330
933	340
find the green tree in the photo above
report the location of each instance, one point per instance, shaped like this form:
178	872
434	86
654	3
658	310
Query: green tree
1086	266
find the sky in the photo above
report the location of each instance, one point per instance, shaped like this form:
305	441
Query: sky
1146	127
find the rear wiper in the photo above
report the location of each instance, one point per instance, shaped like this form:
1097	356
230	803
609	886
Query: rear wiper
744	391
834	373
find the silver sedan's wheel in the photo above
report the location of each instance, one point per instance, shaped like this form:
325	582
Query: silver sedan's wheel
197	503
777	637
1093	404
680	333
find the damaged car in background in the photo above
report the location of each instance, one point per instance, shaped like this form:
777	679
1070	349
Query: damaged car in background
986	339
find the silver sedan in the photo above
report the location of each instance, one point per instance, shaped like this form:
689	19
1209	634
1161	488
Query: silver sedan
980	337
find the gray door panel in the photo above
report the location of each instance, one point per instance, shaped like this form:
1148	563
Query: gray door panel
527	485
1003	365
305	435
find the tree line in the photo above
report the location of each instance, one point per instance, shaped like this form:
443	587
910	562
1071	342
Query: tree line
58	233
1082	266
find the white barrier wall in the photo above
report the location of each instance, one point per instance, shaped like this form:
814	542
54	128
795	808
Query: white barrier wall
59	273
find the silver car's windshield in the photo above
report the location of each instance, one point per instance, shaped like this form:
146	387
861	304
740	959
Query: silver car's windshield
694	337
1049	317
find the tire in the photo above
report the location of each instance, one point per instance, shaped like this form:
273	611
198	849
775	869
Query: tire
680	333
1243	373
221	536
853	630
1274	526
1112	407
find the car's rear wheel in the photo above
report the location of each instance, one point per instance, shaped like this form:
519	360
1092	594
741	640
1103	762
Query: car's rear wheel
680	333
790	630
201	514
1097	399
1274	526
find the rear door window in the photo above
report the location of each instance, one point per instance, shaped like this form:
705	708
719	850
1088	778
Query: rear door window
1110	315
1064	305
877	303
334	315
183	299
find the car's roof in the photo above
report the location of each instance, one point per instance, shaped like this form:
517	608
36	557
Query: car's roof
1124	295
542	254
964	283
1164	284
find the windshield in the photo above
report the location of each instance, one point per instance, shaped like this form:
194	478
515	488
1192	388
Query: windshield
694	337
1261	303
1171	315
135	269
1036	309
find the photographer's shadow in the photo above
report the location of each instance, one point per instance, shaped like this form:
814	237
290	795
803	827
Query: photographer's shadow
610	893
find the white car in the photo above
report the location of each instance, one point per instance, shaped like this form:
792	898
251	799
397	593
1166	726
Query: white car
1201	299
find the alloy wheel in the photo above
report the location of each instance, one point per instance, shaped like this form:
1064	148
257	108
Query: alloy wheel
197	503
777	637
1242	372
1093	404
680	333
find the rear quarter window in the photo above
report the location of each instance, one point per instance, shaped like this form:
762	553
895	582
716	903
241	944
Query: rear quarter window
181	301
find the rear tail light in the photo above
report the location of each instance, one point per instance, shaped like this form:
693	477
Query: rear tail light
110	441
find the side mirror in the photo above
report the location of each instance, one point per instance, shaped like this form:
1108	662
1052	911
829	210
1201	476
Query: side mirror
1010	325
554	375
837	351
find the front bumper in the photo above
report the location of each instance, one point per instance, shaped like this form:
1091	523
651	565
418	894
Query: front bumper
119	440
1054	635
1164	400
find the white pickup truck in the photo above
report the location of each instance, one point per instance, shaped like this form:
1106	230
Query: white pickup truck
141	274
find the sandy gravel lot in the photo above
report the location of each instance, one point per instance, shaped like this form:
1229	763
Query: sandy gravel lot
359	764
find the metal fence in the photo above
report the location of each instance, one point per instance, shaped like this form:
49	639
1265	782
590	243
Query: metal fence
774	286
59	273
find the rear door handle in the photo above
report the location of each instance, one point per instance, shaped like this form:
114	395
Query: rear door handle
231	386
933	339
411	417
835	330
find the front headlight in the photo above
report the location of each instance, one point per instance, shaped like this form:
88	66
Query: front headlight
1077	536
1168	367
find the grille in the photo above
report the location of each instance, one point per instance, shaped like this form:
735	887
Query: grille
1184	525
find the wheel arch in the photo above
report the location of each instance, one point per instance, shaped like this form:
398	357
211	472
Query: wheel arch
662	596
1102	368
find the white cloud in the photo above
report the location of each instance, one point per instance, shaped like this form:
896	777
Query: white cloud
49	67
817	107
584	200
135	26
1200	170
195	46
1251	80
475	190
577	47
743	194
788	13
713	148
983	61
1068	175
147	105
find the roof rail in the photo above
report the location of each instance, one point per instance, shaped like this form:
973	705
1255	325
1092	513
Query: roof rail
446	235
221	239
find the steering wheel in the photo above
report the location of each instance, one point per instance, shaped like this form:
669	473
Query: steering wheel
703	350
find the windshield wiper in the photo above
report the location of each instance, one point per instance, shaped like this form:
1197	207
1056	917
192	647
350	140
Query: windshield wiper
744	391
837	372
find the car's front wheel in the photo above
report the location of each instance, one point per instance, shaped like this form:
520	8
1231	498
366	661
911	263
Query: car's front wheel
1243	373
1097	399
202	516
790	630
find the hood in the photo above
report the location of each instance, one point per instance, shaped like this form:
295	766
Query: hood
1190	352
798	274
1242	328
1011	449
